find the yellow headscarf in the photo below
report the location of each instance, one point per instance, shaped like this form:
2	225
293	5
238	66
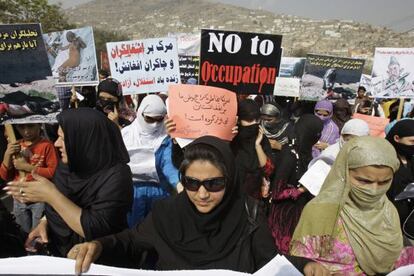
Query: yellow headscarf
373	231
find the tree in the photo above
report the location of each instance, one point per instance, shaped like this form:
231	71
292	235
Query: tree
52	19
33	11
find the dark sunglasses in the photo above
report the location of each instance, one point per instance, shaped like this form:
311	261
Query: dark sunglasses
152	119
215	184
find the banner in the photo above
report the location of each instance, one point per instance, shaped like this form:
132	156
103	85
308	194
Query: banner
188	44
330	77
246	63
393	73
376	124
287	87
23	57
201	110
144	66
72	56
292	67
189	68
26	84
46	265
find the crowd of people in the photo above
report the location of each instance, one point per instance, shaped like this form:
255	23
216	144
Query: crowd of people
115	188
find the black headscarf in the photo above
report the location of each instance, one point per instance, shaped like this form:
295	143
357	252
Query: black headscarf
111	86
93	143
307	131
97	163
203	238
403	128
244	148
342	113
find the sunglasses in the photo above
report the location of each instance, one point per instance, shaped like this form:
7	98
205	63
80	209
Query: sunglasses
215	184
153	119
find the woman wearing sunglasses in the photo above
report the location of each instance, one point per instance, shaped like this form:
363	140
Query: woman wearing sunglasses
208	226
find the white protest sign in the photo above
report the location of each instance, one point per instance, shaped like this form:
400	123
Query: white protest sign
144	66
287	87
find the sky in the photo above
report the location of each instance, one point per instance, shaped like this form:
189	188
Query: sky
395	14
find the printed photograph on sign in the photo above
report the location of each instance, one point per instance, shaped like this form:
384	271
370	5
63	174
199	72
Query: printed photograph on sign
292	67
27	94
329	77
393	73
144	66
72	56
246	63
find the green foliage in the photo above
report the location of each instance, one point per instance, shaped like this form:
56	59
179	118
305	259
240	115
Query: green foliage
33	11
102	37
52	19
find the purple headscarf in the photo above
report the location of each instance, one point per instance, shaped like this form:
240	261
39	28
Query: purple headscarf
330	132
324	105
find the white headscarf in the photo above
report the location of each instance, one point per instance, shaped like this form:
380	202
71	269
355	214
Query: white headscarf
141	133
355	127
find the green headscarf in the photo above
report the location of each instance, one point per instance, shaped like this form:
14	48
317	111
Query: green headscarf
370	220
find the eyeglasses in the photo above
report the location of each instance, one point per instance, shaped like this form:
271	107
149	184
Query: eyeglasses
215	184
153	119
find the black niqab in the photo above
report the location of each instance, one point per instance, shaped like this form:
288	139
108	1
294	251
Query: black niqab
307	132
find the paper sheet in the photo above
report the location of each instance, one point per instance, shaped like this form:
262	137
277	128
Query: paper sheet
279	265
315	176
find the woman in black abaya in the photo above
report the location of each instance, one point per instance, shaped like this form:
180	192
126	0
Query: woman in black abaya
91	191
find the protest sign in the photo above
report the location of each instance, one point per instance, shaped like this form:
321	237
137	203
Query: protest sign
22	54
201	110
247	63
26	84
291	67
72	56
189	68
376	124
144	66
188	44
330	77
393	73
365	81
287	87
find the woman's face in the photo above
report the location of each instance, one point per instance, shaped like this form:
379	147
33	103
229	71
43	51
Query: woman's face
105	96
407	140
60	145
202	199
374	176
322	112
